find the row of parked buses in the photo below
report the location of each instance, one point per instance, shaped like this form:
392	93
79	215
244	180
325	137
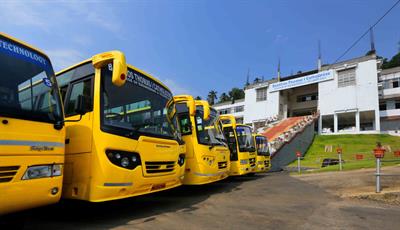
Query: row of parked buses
103	130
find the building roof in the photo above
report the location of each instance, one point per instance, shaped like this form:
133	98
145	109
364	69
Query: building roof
229	102
390	71
302	74
324	67
350	61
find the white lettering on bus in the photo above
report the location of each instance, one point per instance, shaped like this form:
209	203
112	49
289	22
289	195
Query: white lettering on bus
21	51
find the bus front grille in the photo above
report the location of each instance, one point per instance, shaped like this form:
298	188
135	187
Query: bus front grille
153	167
7	173
222	165
252	162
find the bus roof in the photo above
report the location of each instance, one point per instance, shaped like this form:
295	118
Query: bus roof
24	44
130	66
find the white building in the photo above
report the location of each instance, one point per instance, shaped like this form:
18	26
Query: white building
236	108
389	98
347	96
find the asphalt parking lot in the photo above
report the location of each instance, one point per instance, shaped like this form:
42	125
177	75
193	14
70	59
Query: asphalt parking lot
269	201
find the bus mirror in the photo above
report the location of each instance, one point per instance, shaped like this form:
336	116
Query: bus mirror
80	105
119	67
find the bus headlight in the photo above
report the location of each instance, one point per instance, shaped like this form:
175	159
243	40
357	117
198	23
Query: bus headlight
243	162
127	160
181	159
42	171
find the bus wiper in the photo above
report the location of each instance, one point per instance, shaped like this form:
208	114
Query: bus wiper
212	145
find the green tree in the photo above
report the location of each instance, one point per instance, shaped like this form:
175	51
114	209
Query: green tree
224	97
394	62
212	96
236	93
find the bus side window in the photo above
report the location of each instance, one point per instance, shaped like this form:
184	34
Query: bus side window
63	91
80	88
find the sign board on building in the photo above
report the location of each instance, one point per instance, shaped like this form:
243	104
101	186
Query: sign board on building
301	81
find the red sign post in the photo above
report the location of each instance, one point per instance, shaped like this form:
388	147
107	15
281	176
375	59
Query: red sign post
339	151
298	155
379	153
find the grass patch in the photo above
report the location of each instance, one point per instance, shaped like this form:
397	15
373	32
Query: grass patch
352	145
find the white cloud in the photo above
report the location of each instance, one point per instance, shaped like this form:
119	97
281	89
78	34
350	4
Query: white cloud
63	58
23	14
281	38
48	16
175	87
96	14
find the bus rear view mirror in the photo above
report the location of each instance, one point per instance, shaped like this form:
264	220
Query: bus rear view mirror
206	108
119	67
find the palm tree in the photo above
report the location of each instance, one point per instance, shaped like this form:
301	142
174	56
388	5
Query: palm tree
212	96
224	97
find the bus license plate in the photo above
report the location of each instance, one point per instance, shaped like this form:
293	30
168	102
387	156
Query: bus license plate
157	187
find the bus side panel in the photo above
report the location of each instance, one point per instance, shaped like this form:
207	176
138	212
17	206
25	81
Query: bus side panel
78	154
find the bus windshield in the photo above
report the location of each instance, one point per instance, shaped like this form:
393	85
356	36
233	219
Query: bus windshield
208	131
136	108
245	139
262	146
28	89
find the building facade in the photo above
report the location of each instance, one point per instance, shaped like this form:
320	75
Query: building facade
353	96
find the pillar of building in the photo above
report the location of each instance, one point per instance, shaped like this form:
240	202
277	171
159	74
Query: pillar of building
358	121
377	120
320	124
335	123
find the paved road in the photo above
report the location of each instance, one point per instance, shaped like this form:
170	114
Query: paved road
271	201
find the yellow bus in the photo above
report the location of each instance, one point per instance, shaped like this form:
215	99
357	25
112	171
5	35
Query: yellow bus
241	145
31	128
124	145
263	156
207	156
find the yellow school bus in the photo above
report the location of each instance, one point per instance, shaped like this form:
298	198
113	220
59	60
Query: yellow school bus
31	128
124	145
263	157
207	156
241	145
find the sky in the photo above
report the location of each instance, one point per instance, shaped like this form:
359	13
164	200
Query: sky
195	46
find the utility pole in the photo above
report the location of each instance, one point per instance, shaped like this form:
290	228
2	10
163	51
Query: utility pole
319	64
279	68
248	76
371	33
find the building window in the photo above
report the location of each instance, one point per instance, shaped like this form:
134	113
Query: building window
261	94
396	83
346	77
397	104
239	109
391	83
382	106
346	122
327	124
224	111
367	120
307	97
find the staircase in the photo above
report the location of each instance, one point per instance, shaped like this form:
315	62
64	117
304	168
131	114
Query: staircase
289	136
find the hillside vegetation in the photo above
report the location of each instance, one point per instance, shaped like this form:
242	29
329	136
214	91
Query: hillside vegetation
352	146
